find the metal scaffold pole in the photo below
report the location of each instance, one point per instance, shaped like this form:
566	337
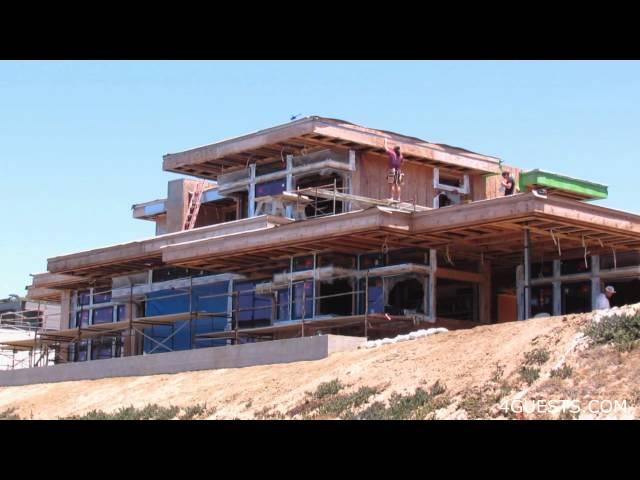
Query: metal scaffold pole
366	305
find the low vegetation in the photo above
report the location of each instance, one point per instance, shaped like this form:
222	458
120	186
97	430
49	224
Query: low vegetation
148	412
529	374
9	414
563	372
619	330
539	356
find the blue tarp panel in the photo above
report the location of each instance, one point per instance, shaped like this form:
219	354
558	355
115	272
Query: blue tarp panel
166	302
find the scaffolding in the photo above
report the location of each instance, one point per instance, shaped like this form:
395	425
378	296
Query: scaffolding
301	315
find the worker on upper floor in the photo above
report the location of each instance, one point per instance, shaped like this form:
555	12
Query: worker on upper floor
509	183
395	176
602	302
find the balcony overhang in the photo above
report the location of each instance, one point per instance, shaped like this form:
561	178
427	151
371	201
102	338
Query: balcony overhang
311	133
489	229
493	229
247	253
146	254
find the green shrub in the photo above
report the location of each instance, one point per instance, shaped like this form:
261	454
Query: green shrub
563	372
414	406
196	411
539	356
328	388
620	330
148	412
529	374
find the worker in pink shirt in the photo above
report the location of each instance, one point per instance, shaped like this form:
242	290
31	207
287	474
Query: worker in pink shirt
395	177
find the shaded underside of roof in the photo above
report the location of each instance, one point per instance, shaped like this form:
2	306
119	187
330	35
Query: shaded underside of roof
487	230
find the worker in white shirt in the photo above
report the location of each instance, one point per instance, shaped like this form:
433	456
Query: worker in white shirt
602	302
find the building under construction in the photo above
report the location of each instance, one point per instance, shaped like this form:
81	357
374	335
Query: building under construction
288	232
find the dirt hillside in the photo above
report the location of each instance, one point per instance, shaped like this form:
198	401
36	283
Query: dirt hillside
454	375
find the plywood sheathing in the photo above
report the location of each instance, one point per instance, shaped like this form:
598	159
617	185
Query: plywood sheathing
211	160
144	254
491	228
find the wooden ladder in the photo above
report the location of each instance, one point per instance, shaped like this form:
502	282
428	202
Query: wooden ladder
194	206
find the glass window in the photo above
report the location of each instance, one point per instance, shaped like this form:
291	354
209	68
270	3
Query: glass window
568	267
266	168
376	297
82	318
542	269
101	349
336	260
371	260
451	181
251	307
103	315
576	297
298	289
122	313
408	255
302	263
84	297
542	300
274	187
101	295
82	351
282	296
172	273
622	259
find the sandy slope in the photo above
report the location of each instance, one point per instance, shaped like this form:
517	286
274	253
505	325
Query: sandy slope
464	361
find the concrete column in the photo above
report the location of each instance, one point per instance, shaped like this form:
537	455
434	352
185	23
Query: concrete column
557	289
289	185
527	274
595	280
520	291
433	265
485	292
251	208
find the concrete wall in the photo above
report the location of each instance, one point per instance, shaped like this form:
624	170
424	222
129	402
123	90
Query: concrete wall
263	353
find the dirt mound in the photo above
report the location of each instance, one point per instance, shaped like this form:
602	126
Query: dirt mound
524	367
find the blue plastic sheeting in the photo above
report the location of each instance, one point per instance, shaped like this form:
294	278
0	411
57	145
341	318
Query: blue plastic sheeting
376	298
182	334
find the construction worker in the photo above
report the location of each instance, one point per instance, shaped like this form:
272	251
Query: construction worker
602	302
509	183
395	177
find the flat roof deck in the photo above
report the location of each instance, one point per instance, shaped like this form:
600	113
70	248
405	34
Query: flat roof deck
144	254
489	228
315	132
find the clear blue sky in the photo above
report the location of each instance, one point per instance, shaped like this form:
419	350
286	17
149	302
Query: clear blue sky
80	142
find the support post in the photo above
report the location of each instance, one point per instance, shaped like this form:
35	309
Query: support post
366	305
335	186
527	274
251	208
557	289
595	280
132	336
315	293
237	323
289	184
433	266
485	291
304	304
